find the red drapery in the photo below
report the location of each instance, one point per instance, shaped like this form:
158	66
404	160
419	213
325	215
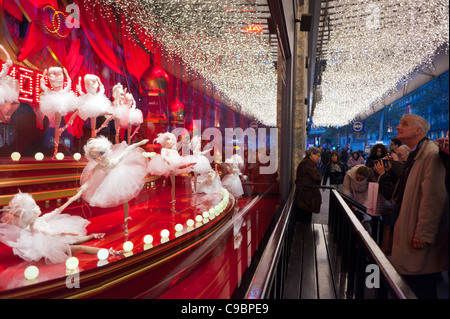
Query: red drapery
113	41
103	35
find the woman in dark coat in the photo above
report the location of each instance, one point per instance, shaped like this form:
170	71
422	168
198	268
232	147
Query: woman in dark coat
335	171
308	199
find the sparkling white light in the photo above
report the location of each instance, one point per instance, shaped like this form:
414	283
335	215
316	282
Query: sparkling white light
208	37
373	47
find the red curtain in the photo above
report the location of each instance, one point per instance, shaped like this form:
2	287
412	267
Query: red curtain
103	35
119	48
136	58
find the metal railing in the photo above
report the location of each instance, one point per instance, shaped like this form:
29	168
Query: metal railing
351	249
269	276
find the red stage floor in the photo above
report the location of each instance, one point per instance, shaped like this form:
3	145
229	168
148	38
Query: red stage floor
219	265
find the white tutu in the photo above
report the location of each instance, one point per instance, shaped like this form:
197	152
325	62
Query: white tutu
46	240
61	102
115	185
202	163
121	113
208	185
8	90
93	105
233	184
175	164
135	117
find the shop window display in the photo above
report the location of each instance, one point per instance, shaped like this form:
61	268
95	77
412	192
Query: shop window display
108	87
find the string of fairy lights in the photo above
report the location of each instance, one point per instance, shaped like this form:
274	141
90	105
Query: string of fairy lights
208	37
373	47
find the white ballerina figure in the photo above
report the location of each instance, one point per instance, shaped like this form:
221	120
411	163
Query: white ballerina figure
232	181
120	110
9	90
209	182
169	162
202	162
135	116
114	175
53	236
93	103
57	102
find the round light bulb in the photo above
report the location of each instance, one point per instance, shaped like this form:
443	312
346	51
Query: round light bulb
198	218
15	156
165	233
148	239
205	214
190	223
103	254
72	263
31	272
128	246
60	156
38	156
178	227
77	156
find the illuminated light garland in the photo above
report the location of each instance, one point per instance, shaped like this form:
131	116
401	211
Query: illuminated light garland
26	91
373	47
209	38
29	83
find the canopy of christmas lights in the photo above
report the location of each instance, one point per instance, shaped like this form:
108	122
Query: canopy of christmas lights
211	40
374	46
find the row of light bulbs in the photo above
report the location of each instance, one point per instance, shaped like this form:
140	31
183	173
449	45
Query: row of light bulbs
31	273
16	156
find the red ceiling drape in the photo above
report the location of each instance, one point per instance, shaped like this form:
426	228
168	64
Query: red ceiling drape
112	40
103	35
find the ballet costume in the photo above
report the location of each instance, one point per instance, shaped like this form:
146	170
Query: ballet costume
45	240
93	105
62	102
168	162
209	183
135	116
122	113
202	162
232	182
9	92
114	182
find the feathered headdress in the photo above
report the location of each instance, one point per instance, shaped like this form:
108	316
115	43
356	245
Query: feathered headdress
20	210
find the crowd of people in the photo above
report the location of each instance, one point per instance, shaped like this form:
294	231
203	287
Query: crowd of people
412	177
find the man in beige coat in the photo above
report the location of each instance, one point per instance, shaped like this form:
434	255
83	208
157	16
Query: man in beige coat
420	244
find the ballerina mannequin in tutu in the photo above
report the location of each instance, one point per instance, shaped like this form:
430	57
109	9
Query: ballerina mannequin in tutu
209	182
53	236
57	102
232	181
93	103
9	90
169	162
120	111
202	165
135	116
114	174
